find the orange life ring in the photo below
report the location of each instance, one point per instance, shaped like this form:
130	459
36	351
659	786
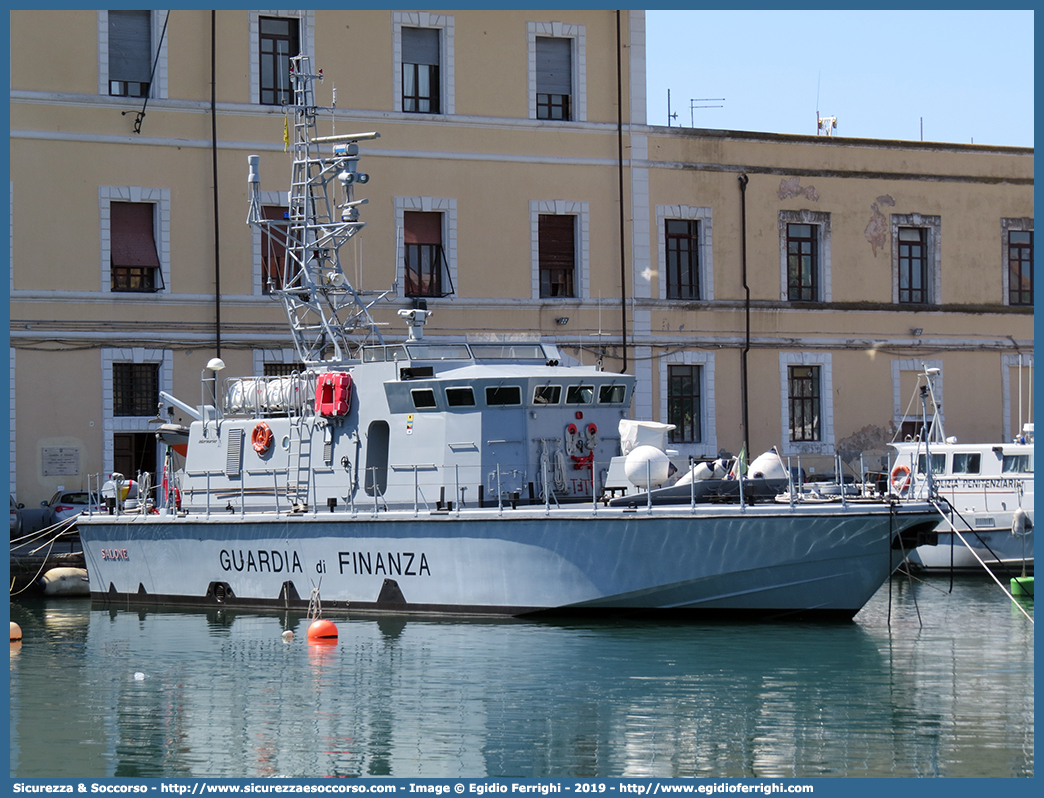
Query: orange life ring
261	438
900	478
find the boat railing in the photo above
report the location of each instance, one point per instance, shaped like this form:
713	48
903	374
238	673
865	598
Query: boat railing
431	488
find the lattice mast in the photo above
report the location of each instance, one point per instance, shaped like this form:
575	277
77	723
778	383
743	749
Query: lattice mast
324	310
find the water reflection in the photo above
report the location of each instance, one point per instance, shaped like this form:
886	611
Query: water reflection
219	693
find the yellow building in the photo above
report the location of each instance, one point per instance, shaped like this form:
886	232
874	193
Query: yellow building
766	290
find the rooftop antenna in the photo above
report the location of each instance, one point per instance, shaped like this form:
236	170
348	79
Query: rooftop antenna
824	123
693	106
670	116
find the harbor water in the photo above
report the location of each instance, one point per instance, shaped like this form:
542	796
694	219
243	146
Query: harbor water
925	682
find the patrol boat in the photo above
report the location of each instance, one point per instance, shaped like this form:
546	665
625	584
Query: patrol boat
438	476
984	489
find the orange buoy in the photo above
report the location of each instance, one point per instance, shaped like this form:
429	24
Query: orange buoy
16	632
322	629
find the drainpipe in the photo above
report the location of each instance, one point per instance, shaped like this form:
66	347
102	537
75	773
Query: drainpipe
620	173
213	155
743	179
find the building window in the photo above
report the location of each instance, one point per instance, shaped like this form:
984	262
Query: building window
685	256
682	237
804	256
135	265
273	249
278	41
554	78
283	369
683	403
805	403
802	263
130	53
420	70
913	265
135	389
425	268
557	255
1020	267
916	259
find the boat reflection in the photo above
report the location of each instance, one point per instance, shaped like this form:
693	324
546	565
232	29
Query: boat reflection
218	693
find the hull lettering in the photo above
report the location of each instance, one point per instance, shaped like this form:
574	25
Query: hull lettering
270	561
388	563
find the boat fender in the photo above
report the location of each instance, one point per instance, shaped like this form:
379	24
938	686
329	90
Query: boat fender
1021	523
900	478
261	437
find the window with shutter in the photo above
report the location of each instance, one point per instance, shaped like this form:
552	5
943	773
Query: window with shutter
420	70
557	242
130	53
135	264
554	78
426	272
273	250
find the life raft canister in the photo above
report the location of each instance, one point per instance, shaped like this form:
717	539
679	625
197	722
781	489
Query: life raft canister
261	437
900	478
333	394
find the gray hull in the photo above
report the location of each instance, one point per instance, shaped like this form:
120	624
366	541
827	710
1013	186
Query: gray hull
764	561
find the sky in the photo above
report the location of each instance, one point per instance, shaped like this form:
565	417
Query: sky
966	76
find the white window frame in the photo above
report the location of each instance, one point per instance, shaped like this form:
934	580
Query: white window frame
447	207
705	217
160	197
112	423
1008	362
826	394
560	30
158	87
1020	225
583	244
821	221
901	402
708	447
444	23
933	224
281	356
306	30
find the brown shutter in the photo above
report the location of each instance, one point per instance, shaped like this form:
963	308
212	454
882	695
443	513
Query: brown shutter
133	243
557	242
422	228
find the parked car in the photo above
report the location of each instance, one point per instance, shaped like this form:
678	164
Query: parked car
16	519
66	504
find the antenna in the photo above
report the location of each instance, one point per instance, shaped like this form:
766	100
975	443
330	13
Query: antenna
819	82
670	116
693	106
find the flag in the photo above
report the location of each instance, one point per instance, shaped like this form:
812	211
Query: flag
286	133
739	468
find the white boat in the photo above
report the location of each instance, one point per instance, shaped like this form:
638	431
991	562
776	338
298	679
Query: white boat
443	476
986	490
